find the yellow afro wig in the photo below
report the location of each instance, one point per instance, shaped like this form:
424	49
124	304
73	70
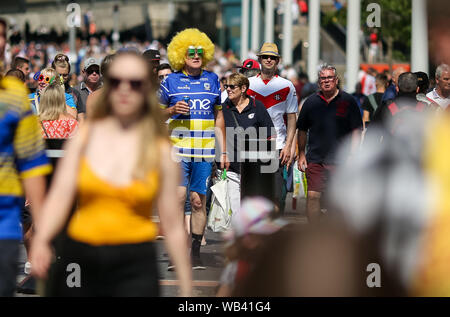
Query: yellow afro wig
177	48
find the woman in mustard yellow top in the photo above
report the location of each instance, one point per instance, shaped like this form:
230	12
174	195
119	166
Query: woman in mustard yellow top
118	166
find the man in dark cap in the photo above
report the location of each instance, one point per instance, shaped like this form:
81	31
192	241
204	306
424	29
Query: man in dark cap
424	83
153	57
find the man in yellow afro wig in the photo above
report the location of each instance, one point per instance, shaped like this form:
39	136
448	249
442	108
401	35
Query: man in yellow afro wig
190	98
180	43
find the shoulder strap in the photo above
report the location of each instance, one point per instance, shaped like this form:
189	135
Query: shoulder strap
235	120
43	128
373	102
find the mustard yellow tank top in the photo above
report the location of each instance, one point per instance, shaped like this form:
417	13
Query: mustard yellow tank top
108	214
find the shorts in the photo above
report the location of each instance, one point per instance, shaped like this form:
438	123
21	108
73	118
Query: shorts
195	175
317	176
9	250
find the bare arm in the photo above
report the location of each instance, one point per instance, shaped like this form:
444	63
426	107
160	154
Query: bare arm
366	118
302	164
285	154
171	217
220	132
356	141
72	111
35	193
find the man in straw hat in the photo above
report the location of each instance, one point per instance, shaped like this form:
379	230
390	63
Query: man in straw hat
279	97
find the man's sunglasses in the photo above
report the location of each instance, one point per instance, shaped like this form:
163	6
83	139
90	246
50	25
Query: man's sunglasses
230	86
135	84
192	50
90	71
274	58
161	77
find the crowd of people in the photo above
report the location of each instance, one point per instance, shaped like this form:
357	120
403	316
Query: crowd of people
124	113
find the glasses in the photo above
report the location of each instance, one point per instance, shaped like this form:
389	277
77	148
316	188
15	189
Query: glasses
161	77
230	86
90	71
274	58
192	50
135	84
46	79
327	78
61	57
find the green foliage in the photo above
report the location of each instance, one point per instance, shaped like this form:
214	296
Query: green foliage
395	22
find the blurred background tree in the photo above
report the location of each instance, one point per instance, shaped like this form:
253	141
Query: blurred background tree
395	30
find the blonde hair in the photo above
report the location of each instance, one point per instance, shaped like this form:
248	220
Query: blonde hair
53	102
151	124
239	80
51	72
177	48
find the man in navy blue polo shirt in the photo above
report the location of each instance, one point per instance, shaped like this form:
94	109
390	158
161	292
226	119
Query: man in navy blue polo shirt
327	117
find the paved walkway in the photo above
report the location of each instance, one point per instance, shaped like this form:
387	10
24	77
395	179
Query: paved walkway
205	282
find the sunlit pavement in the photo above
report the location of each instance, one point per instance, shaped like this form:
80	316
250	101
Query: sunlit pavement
205	282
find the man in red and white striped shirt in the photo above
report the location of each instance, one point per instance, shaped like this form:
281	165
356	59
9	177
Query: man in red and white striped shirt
280	99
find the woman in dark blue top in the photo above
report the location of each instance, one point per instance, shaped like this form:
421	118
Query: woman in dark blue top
244	113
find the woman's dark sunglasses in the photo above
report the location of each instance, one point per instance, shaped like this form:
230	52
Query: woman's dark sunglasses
135	84
230	86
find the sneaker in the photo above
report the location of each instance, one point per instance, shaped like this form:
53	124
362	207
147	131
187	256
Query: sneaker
27	286
197	263
171	266
27	268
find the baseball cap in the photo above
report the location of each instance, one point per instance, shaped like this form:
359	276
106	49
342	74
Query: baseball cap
269	49
254	216
250	64
90	62
152	55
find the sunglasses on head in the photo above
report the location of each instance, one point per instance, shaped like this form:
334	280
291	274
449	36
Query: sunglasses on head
61	57
135	84
90	71
230	86
192	50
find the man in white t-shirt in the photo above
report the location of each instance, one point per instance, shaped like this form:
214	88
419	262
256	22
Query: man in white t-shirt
279	97
441	94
